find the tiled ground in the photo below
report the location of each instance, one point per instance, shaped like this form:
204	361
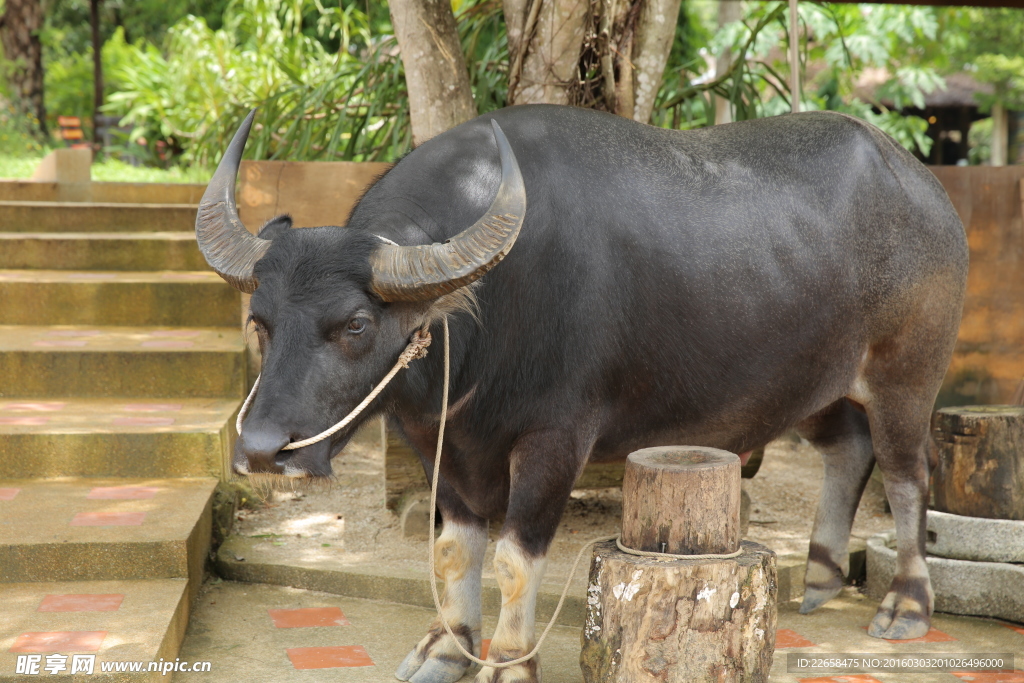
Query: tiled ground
115	620
263	633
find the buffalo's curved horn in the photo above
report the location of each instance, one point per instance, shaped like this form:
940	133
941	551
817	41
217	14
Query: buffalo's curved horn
420	273
229	248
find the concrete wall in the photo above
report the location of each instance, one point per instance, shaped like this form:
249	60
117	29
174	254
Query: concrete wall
988	361
313	193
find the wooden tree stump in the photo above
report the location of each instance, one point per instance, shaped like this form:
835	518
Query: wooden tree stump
681	501
980	469
667	620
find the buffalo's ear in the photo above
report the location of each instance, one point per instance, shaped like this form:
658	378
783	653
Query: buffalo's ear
275	227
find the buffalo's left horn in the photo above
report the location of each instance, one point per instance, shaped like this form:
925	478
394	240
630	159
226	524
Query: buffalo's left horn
229	248
421	273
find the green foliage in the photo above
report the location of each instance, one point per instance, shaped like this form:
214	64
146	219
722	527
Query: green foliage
847	39
18	137
314	104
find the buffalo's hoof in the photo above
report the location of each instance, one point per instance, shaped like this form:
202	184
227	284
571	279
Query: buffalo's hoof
818	596
436	659
899	618
527	672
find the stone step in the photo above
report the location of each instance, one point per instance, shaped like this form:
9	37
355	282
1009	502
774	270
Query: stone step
113	621
68	297
95	217
101	529
121	362
116	437
101	251
135	193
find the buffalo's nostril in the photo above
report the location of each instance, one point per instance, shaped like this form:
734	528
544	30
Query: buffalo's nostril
261	448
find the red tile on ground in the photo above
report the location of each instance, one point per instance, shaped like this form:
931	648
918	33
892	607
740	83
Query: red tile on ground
40	406
28	420
59	641
842	678
308	616
785	637
485	647
328	657
59	342
1014	627
122	492
81	603
143	421
1005	676
108	519
152	407
8	494
167	344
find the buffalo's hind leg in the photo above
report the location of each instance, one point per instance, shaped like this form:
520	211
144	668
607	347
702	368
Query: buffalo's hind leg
458	561
897	385
841	435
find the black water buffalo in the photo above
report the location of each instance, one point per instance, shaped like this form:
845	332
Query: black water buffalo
713	287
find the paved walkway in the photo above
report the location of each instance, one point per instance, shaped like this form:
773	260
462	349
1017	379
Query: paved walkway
260	633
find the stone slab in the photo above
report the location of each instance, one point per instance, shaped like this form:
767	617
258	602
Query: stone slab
123	362
101	251
974	538
69	297
53	530
95	217
991	589
116	437
131	193
242	559
148	624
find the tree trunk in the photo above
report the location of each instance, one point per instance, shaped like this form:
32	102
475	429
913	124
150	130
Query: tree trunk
545	38
97	69
601	54
728	12
19	33
435	68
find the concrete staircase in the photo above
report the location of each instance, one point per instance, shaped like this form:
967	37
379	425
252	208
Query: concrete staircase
121	371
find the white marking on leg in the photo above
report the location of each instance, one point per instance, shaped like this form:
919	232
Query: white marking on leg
519	576
458	561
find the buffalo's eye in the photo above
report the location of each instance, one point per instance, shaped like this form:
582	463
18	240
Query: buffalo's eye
356	326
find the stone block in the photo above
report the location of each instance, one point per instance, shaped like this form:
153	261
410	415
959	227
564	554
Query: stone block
975	538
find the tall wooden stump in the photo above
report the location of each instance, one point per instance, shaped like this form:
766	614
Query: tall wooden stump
668	620
980	469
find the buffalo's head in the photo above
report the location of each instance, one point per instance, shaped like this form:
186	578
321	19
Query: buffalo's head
334	307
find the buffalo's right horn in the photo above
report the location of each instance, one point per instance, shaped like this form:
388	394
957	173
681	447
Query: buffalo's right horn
424	272
229	248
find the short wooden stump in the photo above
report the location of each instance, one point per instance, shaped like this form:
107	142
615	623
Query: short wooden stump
674	620
980	467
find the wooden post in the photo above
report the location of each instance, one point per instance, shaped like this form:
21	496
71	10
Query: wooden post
668	620
980	468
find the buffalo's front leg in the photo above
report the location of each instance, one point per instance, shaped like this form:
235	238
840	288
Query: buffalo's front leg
543	469
458	561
